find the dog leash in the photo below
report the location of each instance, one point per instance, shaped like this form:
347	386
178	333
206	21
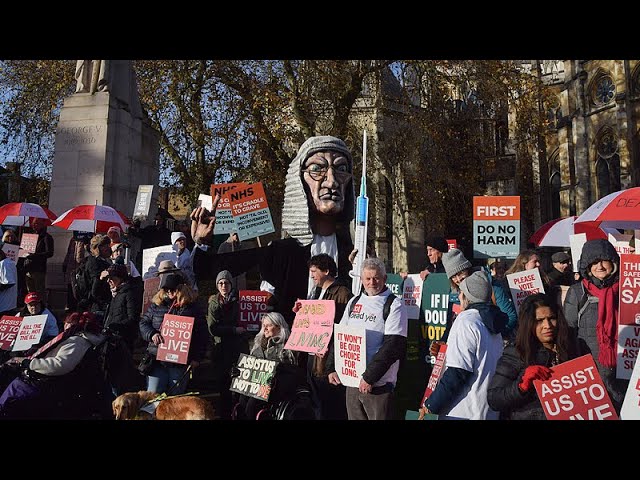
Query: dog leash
165	395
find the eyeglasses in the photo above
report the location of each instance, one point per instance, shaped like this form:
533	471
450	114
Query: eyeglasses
319	172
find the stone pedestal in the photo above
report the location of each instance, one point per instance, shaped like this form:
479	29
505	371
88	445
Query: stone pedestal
104	149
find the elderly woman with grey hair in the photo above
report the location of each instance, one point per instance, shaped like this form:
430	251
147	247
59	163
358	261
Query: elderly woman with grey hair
269	344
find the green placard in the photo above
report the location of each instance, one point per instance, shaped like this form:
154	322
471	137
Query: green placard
394	282
435	305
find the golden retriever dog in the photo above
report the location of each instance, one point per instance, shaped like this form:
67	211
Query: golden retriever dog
188	407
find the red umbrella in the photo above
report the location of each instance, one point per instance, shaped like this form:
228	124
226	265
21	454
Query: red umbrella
92	218
21	213
616	210
556	232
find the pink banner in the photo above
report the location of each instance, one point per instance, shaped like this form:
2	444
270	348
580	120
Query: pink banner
629	289
176	332
575	392
313	326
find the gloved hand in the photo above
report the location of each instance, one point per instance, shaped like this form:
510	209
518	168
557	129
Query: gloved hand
534	372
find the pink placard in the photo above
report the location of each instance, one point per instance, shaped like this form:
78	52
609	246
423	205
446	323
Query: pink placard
435	373
28	244
312	327
253	306
629	289
176	332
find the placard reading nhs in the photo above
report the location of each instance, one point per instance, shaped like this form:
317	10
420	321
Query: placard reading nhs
496	227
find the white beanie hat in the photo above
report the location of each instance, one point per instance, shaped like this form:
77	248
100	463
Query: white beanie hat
175	236
454	262
476	288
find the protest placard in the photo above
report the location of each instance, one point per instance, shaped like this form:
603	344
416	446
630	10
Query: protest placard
575	392
312	326
525	283
151	258
255	378
151	287
629	289
620	242
11	251
143	201
28	244
631	405
225	223
30	332
412	295
436	373
176	331
628	350
435	306
253	306
250	211
576	242
9	327
394	282
205	201
350	353
496	227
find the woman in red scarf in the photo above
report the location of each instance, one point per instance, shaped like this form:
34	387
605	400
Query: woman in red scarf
591	310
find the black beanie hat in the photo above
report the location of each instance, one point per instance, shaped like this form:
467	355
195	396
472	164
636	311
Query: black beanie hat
437	242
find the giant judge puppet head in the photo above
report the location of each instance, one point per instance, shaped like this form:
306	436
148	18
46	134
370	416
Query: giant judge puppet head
319	182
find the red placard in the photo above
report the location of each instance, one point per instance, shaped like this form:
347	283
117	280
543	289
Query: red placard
9	327
575	392
253	305
629	289
176	332
436	373
452	242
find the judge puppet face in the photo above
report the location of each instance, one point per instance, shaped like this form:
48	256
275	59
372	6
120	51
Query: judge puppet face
327	175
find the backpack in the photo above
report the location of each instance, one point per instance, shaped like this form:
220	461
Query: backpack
81	282
385	310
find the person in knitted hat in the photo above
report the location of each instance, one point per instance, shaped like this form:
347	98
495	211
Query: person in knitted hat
230	338
473	349
319	203
436	247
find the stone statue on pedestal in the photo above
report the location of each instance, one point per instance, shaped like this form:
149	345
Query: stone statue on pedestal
92	76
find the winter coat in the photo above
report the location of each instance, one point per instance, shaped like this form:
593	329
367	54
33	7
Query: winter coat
504	395
100	295
222	320
581	312
274	351
151	323
123	313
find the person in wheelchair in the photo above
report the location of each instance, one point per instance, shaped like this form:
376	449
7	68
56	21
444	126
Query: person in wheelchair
60	380
289	380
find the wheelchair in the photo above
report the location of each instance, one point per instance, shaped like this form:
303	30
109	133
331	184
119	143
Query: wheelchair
290	399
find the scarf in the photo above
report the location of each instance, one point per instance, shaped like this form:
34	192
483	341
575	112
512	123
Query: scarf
66	333
607	325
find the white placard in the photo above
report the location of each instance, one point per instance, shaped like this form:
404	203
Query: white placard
11	251
620	242
628	349
577	241
30	332
205	201
525	283
350	353
412	295
151	258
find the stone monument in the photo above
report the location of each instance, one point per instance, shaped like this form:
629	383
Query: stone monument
104	149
